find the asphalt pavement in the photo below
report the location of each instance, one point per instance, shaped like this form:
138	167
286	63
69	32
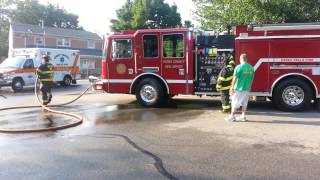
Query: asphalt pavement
186	139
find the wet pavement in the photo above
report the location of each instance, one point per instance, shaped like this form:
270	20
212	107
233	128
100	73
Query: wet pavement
186	139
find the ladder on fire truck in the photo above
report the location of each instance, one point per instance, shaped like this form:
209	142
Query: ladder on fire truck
284	26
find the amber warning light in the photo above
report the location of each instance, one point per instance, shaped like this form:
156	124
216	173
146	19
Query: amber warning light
98	86
96	83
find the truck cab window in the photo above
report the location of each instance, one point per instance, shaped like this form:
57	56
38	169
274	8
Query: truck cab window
173	46
122	48
28	64
150	46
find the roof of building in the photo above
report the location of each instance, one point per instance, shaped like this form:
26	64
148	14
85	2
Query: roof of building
83	52
28	28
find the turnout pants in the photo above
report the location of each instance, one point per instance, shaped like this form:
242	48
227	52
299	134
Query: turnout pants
46	92
225	101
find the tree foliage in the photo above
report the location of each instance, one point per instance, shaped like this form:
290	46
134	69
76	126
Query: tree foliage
218	14
5	14
140	14
32	12
188	24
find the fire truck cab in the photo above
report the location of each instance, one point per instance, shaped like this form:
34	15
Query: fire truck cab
155	64
152	64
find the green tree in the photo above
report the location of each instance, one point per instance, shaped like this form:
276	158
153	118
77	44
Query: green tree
31	12
5	14
188	24
140	14
220	14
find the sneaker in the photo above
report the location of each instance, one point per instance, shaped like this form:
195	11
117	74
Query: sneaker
241	118
230	119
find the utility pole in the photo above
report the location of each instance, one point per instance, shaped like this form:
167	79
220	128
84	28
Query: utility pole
44	32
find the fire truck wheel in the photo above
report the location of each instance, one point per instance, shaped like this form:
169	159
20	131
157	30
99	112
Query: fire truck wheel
149	93
292	95
67	81
17	85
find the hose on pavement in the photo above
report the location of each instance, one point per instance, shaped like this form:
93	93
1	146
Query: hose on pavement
77	119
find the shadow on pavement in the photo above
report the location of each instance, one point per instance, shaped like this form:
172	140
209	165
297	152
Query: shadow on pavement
291	122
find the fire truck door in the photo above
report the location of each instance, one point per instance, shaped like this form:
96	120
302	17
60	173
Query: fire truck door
147	57
120	66
174	61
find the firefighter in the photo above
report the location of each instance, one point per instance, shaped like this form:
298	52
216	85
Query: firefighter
224	84
45	73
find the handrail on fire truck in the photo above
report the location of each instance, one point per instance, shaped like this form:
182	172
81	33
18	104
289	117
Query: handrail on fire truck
283	26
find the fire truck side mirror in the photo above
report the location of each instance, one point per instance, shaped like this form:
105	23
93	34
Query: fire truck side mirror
114	49
114	56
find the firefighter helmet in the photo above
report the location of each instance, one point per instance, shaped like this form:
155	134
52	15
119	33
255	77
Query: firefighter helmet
46	58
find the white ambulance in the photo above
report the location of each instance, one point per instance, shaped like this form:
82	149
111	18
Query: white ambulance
19	69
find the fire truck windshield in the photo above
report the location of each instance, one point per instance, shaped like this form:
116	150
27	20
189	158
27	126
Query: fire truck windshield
15	62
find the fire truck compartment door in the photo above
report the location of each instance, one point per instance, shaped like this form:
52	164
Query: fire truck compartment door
258	55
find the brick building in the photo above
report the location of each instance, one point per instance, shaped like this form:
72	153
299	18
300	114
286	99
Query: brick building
89	44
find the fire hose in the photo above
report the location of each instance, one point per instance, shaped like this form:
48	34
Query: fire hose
78	119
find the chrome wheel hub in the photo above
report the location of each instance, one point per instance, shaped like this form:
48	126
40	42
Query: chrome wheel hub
68	81
148	93
18	85
293	95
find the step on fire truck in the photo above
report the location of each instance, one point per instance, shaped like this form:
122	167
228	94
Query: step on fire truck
160	63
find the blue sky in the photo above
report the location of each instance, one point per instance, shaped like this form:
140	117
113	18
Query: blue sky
94	15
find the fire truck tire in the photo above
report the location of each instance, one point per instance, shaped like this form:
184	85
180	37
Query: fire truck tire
317	104
149	93
67	80
292	95
17	85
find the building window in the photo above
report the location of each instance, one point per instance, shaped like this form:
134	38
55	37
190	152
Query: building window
91	44
150	46
63	42
122	48
87	64
173	46
38	41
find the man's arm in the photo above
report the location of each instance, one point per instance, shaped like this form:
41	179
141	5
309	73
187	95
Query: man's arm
220	77
234	80
39	70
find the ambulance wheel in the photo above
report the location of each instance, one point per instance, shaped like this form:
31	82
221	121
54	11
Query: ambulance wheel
149	93
292	95
17	85
67	81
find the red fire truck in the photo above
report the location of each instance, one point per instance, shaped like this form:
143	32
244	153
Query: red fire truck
160	63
